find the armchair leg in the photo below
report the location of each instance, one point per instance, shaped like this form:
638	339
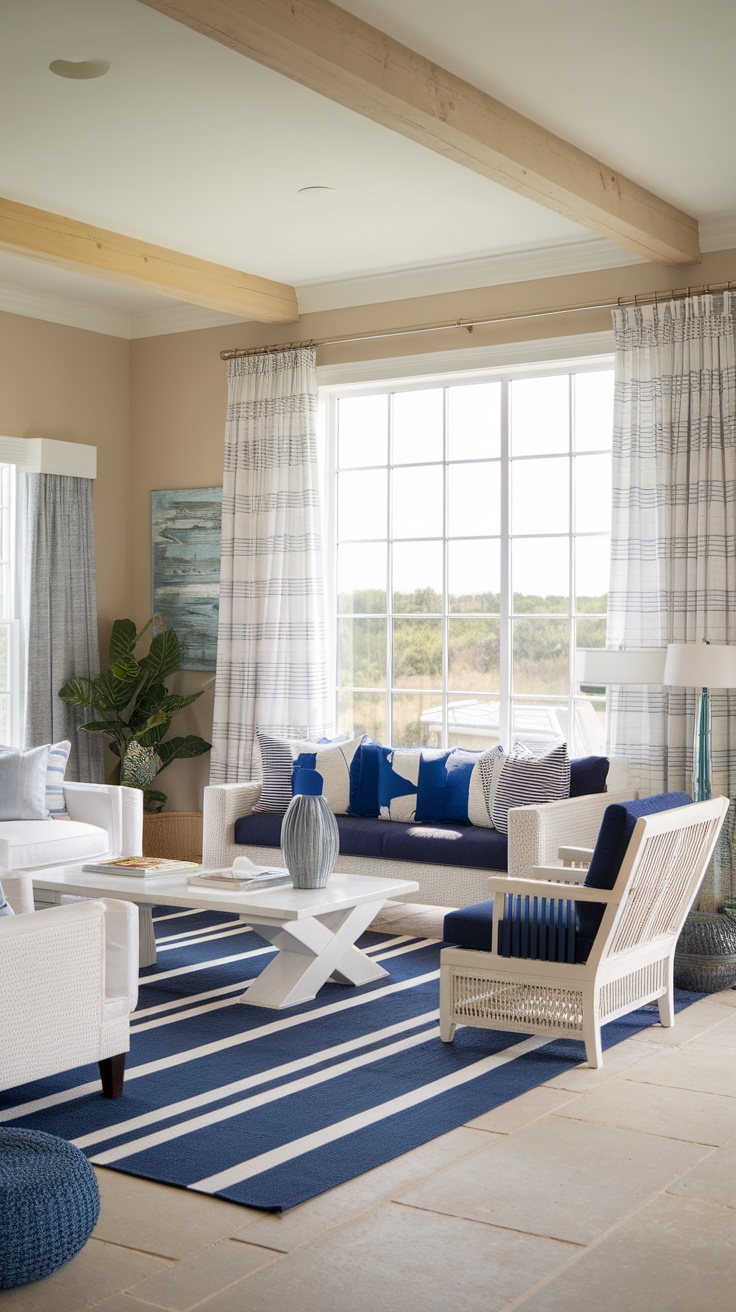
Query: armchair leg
112	1075
593	1047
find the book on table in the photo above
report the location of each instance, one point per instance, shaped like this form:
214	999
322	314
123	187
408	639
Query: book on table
244	876
141	866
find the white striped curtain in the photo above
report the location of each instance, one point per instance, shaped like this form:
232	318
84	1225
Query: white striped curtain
673	542
271	664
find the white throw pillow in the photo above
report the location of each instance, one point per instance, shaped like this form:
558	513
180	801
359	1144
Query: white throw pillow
279	756
23	784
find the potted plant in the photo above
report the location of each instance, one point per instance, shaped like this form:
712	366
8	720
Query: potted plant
135	708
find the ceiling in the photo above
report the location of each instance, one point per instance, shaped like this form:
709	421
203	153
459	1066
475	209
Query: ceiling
186	144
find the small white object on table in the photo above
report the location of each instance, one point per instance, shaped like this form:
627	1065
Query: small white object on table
313	929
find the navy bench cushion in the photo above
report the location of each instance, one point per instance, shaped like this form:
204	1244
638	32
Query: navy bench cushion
542	929
441	844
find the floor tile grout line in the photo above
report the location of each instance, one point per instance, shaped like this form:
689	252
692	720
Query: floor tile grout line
574	1258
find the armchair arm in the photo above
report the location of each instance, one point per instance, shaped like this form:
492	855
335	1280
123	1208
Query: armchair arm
116	809
536	833
549	888
579	856
121	950
223	805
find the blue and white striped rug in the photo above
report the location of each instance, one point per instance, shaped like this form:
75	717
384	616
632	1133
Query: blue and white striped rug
269	1108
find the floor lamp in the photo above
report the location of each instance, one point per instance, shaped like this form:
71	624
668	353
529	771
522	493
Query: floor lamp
703	665
598	667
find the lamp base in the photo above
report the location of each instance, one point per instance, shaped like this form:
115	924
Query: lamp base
705	957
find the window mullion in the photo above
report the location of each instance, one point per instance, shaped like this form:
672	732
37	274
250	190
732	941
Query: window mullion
505	719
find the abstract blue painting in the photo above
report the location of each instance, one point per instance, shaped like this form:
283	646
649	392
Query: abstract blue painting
186	527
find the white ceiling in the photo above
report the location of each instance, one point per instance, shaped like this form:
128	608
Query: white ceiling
189	145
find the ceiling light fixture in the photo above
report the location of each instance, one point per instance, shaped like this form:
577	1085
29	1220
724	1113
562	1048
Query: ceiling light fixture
81	71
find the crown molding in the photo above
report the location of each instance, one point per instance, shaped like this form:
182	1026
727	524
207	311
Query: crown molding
469	360
465	275
719	233
57	309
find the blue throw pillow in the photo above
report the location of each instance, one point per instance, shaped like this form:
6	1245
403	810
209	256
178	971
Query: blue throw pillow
364	779
588	774
398	779
459	787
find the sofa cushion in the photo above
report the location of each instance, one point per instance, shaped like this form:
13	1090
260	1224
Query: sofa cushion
28	843
542	929
451	845
23	784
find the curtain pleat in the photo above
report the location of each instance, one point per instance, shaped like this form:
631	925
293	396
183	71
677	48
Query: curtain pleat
62	615
673	541
271	665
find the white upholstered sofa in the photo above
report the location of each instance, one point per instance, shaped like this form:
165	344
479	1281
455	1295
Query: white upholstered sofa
535	835
102	820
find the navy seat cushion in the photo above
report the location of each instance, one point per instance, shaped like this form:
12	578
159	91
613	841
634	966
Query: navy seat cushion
531	930
441	844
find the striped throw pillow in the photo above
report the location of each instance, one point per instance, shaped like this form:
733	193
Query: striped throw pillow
55	770
529	781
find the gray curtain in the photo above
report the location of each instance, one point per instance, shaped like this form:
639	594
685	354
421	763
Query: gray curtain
62	615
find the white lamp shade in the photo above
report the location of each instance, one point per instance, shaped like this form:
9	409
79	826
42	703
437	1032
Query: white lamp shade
597	666
700	665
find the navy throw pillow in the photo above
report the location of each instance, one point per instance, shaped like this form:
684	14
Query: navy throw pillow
588	774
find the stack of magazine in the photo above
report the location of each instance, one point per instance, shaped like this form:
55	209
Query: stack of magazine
140	865
244	877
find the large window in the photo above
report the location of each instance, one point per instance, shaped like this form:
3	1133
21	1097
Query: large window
471	531
9	689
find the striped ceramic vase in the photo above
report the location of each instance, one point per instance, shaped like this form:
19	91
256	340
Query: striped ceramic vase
310	839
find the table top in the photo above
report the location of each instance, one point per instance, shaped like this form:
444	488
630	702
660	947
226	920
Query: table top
267	904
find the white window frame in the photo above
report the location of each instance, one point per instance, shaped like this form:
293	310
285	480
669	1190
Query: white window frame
506	374
10	620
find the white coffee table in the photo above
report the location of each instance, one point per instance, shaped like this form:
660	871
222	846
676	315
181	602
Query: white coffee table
314	929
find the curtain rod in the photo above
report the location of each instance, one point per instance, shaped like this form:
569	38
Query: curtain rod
646	298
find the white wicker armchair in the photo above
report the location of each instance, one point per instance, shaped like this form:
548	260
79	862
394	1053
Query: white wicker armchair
68	981
631	959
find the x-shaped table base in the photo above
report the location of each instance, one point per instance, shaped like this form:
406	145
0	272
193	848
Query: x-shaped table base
311	951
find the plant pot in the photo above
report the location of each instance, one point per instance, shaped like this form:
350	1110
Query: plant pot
176	835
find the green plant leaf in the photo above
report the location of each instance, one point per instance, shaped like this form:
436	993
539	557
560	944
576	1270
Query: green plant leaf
164	656
123	640
153	800
181	748
78	692
111	694
151	699
175	701
101	726
126	669
154	729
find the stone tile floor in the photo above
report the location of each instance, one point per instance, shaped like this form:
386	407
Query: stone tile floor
610	1189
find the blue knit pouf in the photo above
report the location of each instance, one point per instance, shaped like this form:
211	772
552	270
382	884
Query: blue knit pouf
49	1204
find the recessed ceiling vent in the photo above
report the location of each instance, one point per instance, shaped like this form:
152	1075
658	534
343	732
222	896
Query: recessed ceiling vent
81	71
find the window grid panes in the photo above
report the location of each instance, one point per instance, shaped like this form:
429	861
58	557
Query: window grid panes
450	633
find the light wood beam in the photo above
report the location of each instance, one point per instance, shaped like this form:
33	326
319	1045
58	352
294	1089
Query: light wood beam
340	56
68	244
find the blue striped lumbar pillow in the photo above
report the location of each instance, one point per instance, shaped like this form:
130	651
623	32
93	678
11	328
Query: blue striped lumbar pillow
55	770
526	780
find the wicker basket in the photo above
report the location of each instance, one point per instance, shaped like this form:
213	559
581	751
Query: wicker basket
173	834
705	959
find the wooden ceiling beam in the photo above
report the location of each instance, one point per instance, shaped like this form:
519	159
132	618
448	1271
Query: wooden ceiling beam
68	244
316	43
